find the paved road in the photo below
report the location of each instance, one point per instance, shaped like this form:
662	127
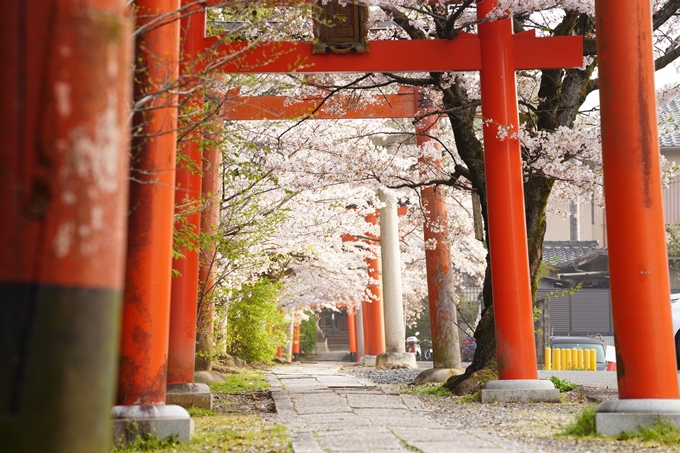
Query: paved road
328	411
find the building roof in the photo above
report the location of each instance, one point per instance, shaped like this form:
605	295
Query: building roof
562	254
669	127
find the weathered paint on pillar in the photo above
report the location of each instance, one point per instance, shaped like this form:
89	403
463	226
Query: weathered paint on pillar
65	88
515	348
210	221
376	326
352	331
391	274
440	291
638	262
184	288
146	311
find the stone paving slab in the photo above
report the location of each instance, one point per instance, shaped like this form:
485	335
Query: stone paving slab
357	401
326	411
359	440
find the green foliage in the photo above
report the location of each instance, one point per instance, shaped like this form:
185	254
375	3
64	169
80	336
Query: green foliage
244	382
584	425
662	432
422	324
563	385
256	324
308	334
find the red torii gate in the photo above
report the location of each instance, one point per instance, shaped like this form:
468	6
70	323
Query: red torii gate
498	54
404	104
45	279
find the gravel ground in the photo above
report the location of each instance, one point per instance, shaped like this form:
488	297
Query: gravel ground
537	426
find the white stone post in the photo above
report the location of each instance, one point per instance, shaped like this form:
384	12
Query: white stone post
391	274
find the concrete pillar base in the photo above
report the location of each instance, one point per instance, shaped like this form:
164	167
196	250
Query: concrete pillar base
162	421
187	395
616	416
367	360
437	375
520	391
395	360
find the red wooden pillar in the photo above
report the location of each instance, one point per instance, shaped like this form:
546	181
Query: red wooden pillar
638	261
352	331
65	89
184	291
376	320
516	351
210	221
443	319
296	342
146	313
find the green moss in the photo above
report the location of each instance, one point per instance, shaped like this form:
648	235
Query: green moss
427	389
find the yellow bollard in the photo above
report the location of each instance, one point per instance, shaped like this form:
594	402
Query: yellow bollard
586	359
568	363
557	362
547	359
593	359
563	352
579	360
574	355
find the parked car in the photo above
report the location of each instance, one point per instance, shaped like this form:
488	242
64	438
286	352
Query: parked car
582	343
675	313
467	352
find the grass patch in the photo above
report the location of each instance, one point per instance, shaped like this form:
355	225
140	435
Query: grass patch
222	433
427	389
662	432
584	425
245	382
200	412
563	385
148	442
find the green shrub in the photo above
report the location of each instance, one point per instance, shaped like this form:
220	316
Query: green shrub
308	334
563	385
256	325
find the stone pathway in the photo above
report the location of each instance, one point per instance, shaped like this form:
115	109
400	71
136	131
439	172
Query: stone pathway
326	410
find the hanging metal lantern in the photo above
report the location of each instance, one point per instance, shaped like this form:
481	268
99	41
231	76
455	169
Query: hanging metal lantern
340	27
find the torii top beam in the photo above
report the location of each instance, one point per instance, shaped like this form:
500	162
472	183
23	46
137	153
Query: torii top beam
428	55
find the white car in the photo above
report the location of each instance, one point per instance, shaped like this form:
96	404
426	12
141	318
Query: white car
675	313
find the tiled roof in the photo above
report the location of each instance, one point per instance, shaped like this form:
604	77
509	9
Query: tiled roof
562	253
669	126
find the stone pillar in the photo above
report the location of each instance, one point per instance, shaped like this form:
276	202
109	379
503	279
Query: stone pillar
391	274
65	85
396	355
358	318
